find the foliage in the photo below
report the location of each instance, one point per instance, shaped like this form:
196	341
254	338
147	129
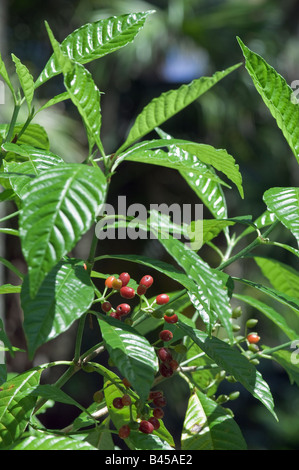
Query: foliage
58	202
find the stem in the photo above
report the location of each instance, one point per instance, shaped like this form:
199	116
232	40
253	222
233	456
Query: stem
79	337
12	122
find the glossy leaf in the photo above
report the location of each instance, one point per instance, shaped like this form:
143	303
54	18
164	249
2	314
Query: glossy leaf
289	360
26	80
34	135
284	203
281	297
43	441
270	313
208	280
16	406
94	40
276	94
64	295
281	276
135	357
208	191
170	103
5	76
233	363
21	173
59	206
208	426
86	97
208	229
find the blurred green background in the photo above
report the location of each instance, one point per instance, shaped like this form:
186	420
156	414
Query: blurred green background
181	41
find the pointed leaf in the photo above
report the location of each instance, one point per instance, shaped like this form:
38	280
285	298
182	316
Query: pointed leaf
16	406
234	363
208	426
4	74
170	103
208	191
94	40
282	277
86	97
43	441
135	357
26	80
34	135
64	295
284	203
57	99
276	94
209	280
59	207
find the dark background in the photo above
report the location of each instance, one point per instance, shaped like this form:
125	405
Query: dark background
181	41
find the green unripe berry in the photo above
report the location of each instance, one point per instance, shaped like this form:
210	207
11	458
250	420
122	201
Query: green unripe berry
98	396
234	395
253	347
237	312
251	323
169	312
222	399
236	327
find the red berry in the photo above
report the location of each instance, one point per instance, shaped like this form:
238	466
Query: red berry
162	299
109	280
154	394
164	355
173	319
123	309
141	290
146	427
155	422
125	278
117	403
127	292
158	413
115	315
84	266
174	364
124	431
166	335
106	306
126	383
165	370
253	338
160	402
146	281
116	284
126	400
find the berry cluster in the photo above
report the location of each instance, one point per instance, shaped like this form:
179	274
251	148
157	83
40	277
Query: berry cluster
120	285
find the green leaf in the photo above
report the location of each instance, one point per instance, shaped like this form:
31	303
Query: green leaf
281	297
21	173
26	80
9	289
206	278
207	426
59	207
290	362
270	313
55	100
4	74
207	229
282	277
34	135
276	94
86	97
169	103
233	363
175	158
135	357
16	406
284	203
64	295
94	40
43	441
